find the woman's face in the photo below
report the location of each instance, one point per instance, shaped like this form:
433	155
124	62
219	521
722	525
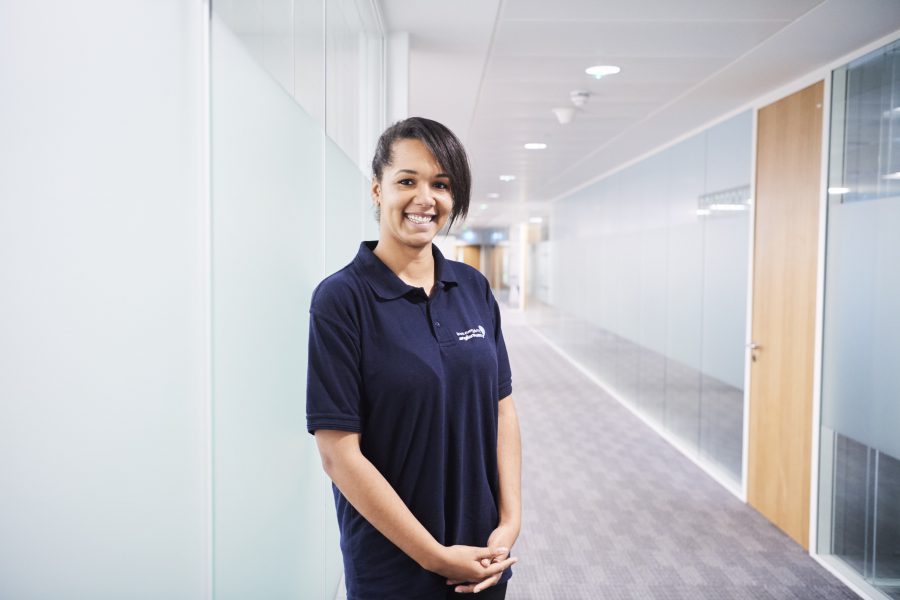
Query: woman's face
414	194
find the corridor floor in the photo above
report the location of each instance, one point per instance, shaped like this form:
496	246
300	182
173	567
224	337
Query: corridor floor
612	511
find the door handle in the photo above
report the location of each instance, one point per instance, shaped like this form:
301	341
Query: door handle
753	346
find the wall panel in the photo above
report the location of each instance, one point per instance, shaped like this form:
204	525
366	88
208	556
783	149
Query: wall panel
650	291
103	403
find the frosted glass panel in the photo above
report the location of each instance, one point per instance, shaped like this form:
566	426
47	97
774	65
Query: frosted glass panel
287	39
726	240
861	381
649	291
860	462
684	304
348	196
103	436
269	500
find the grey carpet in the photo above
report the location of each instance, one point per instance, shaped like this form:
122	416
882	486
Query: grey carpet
611	511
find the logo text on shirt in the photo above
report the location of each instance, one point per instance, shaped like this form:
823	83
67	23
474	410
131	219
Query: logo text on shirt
478	332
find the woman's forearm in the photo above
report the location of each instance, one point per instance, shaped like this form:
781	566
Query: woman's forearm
509	464
371	494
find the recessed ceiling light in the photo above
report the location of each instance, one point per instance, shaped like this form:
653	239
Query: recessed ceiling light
838	190
535	220
535	146
703	211
729	207
507	177
493	195
894	175
600	71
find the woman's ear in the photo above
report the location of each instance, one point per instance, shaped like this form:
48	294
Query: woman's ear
376	192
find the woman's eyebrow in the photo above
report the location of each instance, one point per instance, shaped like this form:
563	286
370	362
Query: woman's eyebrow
416	173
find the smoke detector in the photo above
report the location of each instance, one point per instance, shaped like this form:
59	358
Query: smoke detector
579	97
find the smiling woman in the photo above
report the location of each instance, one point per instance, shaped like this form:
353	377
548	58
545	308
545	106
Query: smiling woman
409	391
413	198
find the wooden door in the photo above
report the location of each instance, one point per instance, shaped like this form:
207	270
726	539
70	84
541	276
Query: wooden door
787	203
472	256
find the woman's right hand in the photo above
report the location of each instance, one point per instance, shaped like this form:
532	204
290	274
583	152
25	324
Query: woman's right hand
464	563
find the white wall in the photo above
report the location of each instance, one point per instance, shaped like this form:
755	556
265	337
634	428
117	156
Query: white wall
104	429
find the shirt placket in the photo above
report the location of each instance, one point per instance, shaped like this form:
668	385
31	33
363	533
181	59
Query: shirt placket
434	310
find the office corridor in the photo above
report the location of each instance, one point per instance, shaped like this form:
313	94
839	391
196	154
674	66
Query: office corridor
613	513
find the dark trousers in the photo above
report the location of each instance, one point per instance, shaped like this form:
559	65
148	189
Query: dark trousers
495	592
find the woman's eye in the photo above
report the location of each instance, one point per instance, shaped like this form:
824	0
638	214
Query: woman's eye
441	185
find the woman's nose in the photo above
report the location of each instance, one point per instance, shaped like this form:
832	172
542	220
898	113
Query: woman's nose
425	197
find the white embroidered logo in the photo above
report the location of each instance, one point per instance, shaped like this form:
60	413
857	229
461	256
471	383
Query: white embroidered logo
478	332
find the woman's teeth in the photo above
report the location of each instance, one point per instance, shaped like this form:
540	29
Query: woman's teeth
419	219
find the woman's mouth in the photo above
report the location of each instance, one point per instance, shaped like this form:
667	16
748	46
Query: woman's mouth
419	219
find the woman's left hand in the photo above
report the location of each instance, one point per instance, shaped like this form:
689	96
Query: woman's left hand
500	541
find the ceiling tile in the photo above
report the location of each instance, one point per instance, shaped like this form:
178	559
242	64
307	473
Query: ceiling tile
644	10
605	41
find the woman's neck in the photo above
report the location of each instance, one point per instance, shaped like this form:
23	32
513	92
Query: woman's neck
414	266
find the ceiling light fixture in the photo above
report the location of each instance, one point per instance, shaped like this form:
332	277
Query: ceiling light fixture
564	114
838	190
535	220
894	175
507	178
703	211
601	71
535	146
493	195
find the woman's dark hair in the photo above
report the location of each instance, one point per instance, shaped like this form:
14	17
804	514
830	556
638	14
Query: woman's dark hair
446	148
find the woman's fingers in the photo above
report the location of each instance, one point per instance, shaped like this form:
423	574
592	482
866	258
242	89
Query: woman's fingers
486	584
499	567
474	588
500	554
490	576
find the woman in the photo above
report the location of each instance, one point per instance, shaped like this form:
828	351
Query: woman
409	391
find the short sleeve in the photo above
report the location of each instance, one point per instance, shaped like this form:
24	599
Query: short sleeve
504	373
333	385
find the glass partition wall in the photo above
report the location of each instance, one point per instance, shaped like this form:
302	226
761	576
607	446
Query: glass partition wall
859	478
290	204
647	289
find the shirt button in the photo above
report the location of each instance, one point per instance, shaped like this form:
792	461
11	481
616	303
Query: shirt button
437	323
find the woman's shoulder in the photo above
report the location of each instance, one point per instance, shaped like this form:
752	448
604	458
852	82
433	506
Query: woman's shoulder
339	290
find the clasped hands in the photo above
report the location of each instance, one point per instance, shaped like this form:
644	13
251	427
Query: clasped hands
472	569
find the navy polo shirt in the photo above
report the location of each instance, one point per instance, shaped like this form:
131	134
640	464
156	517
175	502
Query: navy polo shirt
419	378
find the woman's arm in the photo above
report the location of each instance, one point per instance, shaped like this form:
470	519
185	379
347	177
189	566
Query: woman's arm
370	494
509	465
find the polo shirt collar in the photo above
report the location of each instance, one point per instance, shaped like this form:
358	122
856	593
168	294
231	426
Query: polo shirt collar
385	282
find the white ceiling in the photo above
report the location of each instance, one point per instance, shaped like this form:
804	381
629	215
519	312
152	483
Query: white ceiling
492	70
